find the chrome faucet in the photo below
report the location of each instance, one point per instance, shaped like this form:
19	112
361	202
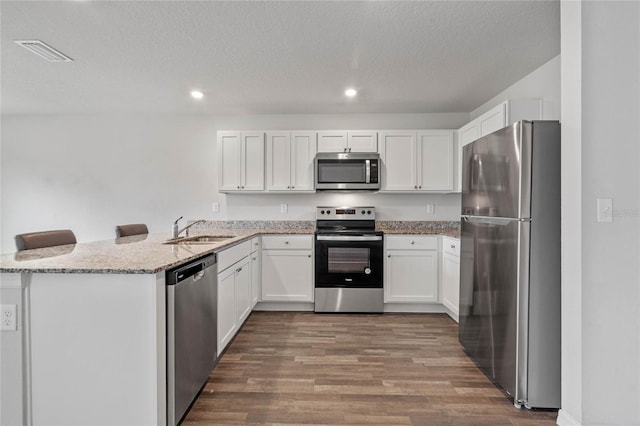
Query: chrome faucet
177	232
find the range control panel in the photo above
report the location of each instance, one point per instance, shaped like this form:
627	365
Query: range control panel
346	213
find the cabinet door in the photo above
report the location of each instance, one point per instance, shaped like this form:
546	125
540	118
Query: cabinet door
278	161
242	290
451	283
494	119
287	275
411	276
229	161
435	161
362	141
333	141
303	152
256	272
398	154
253	161
227	325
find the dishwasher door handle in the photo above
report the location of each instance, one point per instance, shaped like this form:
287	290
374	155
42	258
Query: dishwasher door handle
198	276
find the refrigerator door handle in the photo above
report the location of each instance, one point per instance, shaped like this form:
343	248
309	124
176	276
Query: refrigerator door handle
499	221
522	341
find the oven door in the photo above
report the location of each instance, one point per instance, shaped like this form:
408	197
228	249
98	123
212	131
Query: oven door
348	261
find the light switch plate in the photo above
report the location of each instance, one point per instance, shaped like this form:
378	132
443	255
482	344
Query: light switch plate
604	209
431	208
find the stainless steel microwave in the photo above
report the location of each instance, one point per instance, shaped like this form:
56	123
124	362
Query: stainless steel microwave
347	171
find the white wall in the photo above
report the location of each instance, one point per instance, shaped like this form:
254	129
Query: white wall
543	83
605	153
90	173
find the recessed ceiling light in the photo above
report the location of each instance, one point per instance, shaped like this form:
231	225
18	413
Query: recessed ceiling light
351	92
196	94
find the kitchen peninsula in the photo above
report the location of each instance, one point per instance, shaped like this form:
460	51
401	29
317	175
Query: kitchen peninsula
91	331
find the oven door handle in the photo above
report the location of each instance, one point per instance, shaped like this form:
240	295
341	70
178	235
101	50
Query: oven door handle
348	238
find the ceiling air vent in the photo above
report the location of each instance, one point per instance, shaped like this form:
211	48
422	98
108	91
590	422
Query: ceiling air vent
44	50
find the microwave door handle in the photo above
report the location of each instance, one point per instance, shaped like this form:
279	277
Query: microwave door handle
367	171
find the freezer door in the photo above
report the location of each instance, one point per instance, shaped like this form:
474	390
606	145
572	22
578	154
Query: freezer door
493	274
496	173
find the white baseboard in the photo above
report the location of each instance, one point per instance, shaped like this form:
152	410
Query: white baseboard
429	308
284	306
565	419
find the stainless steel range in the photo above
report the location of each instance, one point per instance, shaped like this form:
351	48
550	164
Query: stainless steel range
348	260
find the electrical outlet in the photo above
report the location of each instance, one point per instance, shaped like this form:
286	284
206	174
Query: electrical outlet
604	209
215	207
431	208
8	317
283	208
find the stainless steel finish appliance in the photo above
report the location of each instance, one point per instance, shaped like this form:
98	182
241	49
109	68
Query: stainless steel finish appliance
346	171
348	263
192	291
510	260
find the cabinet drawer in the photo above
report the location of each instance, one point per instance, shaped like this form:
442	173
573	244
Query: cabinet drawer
297	242
255	244
233	254
411	242
451	246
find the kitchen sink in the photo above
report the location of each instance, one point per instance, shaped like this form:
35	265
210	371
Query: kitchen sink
200	239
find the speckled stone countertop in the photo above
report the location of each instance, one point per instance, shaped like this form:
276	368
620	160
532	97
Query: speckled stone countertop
138	254
447	228
147	254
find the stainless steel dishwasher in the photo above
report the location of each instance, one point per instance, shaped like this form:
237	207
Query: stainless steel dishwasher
192	293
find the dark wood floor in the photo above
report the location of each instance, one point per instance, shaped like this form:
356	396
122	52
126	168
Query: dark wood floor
306	368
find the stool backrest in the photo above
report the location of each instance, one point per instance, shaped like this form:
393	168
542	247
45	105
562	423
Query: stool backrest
133	229
34	240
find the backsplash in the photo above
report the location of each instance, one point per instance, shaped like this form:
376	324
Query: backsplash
419	226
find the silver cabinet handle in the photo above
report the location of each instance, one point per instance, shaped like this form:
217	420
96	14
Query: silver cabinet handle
239	269
413	242
288	187
308	255
420	187
452	246
415	186
388	255
238	186
286	242
292	187
242	187
253	258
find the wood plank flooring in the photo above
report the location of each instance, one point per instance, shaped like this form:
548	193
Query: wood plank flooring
325	369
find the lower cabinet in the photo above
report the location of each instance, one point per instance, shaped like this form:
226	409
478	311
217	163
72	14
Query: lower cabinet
287	268
411	269
234	292
451	275
256	271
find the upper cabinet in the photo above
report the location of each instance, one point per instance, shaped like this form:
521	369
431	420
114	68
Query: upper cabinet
503	114
348	141
240	161
290	161
417	160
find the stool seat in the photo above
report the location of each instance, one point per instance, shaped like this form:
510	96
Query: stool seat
132	229
34	240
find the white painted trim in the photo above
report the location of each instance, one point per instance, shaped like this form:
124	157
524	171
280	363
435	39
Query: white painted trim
284	306
565	419
426	308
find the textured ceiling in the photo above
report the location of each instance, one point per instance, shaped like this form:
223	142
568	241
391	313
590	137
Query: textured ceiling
271	57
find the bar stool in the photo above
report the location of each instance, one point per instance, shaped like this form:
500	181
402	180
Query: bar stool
133	229
34	240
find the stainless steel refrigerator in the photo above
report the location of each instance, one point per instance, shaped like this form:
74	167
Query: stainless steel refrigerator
510	260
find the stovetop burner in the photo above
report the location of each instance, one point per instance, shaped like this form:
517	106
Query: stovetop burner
346	220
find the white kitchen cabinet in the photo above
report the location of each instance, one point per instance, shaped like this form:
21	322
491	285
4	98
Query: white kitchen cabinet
411	269
256	271
348	141
451	275
417	160
503	114
240	161
234	291
289	161
287	268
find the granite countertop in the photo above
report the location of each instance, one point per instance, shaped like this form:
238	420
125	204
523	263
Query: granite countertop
138	254
146	254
